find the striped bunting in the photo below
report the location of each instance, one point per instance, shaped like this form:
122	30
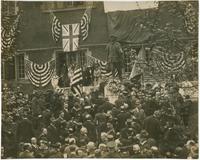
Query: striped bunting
9	34
85	22
76	82
39	74
168	64
104	71
103	66
55	27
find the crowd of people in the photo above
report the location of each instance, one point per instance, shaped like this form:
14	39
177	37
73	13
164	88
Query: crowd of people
144	122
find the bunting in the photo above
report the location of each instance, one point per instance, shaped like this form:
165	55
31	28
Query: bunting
39	74
55	27
168	62
85	23
9	33
102	64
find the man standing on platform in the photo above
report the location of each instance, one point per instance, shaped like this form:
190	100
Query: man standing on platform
115	56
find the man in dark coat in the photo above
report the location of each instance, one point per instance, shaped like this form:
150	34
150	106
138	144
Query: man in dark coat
24	130
115	55
152	125
122	117
91	128
52	133
106	106
185	110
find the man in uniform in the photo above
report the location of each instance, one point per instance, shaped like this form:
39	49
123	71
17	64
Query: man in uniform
115	56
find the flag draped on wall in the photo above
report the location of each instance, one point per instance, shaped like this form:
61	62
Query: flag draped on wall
55	27
85	23
70	37
9	33
76	82
39	74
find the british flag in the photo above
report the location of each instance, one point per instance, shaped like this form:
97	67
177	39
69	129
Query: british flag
70	37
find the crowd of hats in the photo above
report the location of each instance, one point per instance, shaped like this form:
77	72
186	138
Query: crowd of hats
92	127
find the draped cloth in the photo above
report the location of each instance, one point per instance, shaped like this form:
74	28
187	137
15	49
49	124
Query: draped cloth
127	26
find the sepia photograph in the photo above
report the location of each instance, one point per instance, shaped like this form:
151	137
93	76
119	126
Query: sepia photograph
99	79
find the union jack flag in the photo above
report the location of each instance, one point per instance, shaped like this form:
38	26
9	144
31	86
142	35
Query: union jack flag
70	37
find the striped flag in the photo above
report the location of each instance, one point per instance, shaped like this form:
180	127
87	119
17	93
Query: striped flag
55	27
76	82
85	23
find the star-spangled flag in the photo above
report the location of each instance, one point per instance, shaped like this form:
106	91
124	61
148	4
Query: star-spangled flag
70	37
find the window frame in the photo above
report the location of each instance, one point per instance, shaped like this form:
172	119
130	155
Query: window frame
3	69
17	65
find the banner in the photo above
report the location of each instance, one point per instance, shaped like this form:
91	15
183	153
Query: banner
110	6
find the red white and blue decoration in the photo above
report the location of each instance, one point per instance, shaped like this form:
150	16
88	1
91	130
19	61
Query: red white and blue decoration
85	23
55	27
39	74
168	62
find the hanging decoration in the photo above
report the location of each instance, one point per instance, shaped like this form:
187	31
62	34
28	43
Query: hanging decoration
39	74
9	31
167	62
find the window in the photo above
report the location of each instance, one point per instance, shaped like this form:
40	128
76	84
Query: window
20	66
81	58
71	58
3	69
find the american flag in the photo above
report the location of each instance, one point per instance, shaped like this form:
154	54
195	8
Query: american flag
85	22
76	82
55	27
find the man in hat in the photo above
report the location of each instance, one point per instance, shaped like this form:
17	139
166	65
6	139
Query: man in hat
27	151
135	153
91	128
91	149
24	130
152	125
52	133
115	55
122	117
112	152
